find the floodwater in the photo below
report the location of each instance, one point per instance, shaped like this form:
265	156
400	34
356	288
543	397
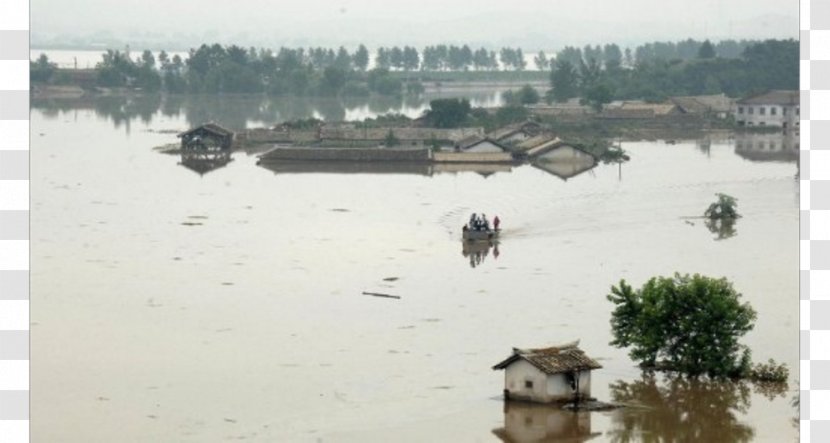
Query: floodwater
227	304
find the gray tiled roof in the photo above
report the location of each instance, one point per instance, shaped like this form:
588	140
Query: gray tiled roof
553	360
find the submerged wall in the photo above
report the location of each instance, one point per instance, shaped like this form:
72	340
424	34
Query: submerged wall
346	154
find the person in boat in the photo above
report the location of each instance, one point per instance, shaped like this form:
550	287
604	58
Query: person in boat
484	223
473	219
496	222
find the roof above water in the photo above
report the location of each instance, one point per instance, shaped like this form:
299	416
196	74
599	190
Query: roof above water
552	360
774	97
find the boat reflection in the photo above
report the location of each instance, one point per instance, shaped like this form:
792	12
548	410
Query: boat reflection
677	409
477	251
532	423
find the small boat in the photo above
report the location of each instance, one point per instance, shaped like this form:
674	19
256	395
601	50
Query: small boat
480	235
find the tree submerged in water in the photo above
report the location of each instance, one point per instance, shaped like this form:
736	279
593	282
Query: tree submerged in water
684	323
725	208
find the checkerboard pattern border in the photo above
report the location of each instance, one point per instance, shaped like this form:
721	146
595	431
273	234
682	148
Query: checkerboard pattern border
14	222
814	239
814	267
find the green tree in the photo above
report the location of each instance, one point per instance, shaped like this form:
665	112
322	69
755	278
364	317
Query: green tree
528	95
564	81
390	139
448	112
333	80
382	82
42	70
597	96
541	61
361	58
689	324
343	60
706	50
725	208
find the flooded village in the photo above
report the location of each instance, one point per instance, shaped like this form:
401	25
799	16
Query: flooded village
437	250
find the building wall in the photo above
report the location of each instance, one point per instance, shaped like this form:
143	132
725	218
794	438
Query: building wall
767	115
346	154
515	377
566	153
485	146
545	388
473	157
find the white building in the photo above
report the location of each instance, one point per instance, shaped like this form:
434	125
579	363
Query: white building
774	108
548	375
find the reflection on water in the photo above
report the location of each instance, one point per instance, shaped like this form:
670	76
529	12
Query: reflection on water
203	162
243	256
349	167
241	111
477	251
679	409
531	423
764	147
722	228
566	169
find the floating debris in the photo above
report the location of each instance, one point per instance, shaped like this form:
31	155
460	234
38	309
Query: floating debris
390	279
378	294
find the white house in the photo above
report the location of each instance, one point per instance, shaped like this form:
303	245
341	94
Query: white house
548	375
775	108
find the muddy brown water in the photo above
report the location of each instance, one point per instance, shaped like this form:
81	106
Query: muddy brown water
172	305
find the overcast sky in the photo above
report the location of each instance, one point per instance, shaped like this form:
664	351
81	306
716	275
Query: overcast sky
532	24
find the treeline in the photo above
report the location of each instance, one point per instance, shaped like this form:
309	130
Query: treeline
650	71
689	49
772	64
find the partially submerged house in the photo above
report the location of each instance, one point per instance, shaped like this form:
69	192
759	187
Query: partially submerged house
515	133
207	137
639	110
776	108
707	105
483	144
548	375
476	149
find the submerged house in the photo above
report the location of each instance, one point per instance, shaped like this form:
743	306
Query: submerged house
777	108
708	105
548	375
207	137
481	144
516	133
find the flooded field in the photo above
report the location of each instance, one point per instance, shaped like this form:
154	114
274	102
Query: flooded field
177	305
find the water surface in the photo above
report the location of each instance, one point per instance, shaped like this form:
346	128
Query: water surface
177	305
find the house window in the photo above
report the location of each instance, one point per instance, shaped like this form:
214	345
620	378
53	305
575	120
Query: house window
740	109
797	111
751	110
773	111
783	111
762	124
528	384
762	110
